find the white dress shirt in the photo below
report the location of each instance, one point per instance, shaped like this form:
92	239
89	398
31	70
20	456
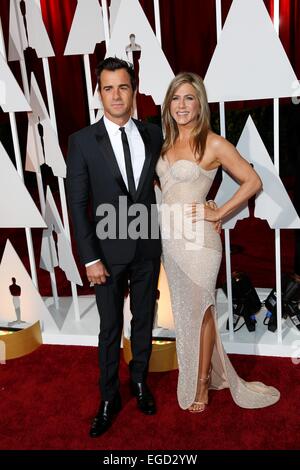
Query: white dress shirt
136	145
137	151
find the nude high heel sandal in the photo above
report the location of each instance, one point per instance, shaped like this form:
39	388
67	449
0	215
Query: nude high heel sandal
200	406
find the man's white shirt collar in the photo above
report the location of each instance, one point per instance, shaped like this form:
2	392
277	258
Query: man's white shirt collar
113	128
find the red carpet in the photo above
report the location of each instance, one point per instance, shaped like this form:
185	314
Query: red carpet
48	398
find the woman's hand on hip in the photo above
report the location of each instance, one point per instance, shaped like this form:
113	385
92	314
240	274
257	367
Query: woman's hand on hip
218	221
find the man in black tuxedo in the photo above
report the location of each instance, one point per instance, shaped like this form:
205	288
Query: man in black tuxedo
108	162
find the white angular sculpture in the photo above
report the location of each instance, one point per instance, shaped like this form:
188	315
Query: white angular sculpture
34	154
113	11
31	306
96	103
273	202
17	208
28	30
87	28
12	98
155	72
63	257
249	61
34	150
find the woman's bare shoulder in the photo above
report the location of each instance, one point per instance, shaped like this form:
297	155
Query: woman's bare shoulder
215	141
218	144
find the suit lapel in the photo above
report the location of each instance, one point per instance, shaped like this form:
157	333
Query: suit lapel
146	139
107	153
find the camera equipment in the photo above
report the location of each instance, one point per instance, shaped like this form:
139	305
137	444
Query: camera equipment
293	311
290	295
271	315
245	301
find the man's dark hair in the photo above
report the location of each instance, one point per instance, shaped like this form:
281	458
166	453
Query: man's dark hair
112	64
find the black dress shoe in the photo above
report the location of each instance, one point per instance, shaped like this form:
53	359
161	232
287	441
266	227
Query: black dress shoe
145	399
103	419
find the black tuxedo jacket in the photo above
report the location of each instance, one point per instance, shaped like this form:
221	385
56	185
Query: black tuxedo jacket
93	175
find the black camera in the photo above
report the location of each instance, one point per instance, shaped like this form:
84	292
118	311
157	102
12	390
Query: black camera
290	295
271	315
293	311
246	302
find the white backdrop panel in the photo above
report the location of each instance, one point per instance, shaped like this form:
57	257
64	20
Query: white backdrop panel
273	202
249	61
155	72
38	37
31	304
53	154
113	11
87	28
12	98
65	259
34	150
17	207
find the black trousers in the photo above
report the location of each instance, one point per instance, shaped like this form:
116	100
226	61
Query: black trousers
143	278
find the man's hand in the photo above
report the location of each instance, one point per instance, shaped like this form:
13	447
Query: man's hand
97	273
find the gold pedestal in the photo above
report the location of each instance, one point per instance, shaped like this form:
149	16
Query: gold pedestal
20	342
163	356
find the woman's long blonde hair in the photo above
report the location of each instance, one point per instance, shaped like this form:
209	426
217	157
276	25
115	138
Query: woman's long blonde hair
202	126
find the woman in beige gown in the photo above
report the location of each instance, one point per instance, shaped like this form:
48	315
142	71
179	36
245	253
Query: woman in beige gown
192	248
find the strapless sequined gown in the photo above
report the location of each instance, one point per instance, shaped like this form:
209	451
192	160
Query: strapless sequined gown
191	257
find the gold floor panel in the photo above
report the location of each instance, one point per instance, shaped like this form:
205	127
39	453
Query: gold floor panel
18	343
163	356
